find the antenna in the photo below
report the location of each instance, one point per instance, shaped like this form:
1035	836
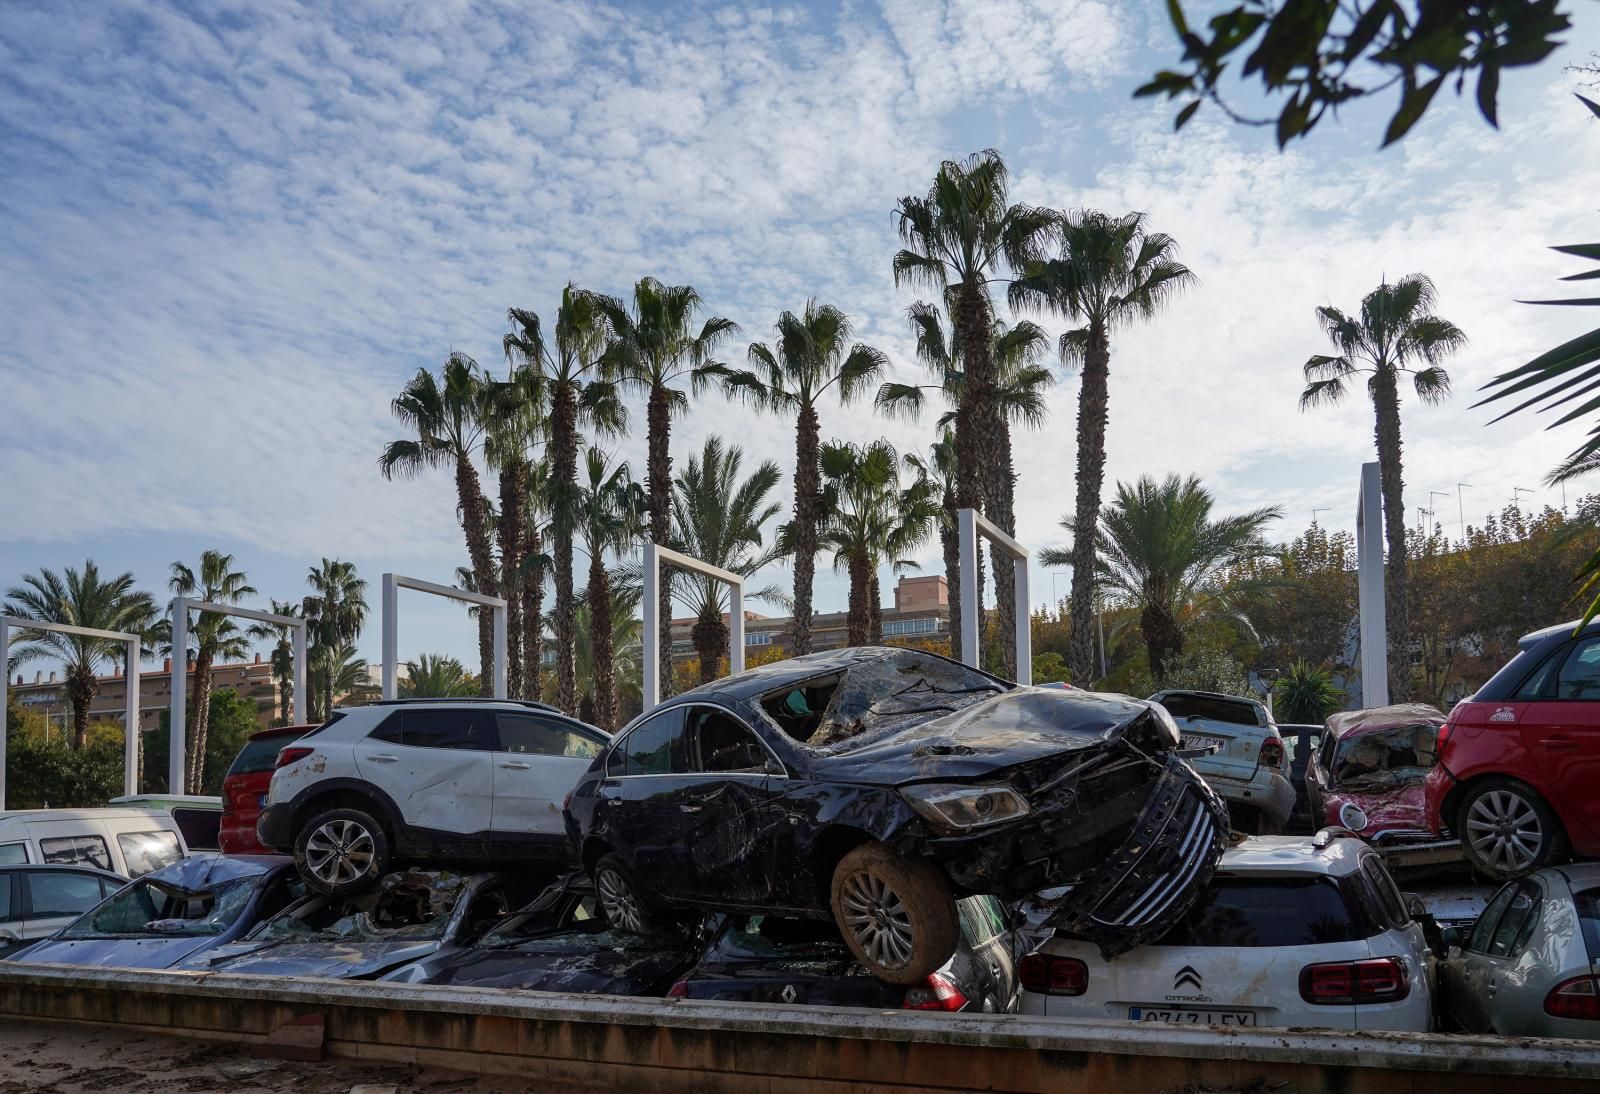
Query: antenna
1516	496
1314	512
1460	511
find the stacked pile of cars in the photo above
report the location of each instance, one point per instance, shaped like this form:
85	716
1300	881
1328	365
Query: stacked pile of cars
866	827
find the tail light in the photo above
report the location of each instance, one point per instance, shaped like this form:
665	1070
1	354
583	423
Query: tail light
1440	738
1574	998
292	754
1043	974
939	994
679	990
1272	752
1378	980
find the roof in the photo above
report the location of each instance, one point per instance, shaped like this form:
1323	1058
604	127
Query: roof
194	874
115	812
1533	638
1581	873
780	674
1376	719
1291	854
465	700
168	799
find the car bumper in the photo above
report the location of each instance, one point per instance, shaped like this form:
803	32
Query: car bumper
1267	790
1435	786
275	828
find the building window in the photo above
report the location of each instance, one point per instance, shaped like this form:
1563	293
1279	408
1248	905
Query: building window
927	625
758	638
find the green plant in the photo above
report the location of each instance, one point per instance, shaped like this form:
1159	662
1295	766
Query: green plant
1198	670
1306	695
1050	668
435	676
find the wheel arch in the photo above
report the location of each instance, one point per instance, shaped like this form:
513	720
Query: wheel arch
1450	807
348	794
832	844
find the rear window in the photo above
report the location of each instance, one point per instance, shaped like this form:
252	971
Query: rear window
259	754
1213	708
147	851
200	827
1278	911
71	850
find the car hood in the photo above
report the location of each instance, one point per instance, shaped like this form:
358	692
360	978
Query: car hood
1013	727
119	953
335	960
602	971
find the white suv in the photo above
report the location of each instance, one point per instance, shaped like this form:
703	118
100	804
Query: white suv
454	781
1294	931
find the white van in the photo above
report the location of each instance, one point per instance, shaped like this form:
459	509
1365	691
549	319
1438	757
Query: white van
125	840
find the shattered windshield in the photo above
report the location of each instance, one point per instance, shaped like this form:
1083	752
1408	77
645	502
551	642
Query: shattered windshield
1385	758
158	909
414	906
765	937
842	711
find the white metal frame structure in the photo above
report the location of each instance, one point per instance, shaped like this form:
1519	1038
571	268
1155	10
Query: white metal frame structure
1369	588
130	734
971	525
392	584
654	556
181	607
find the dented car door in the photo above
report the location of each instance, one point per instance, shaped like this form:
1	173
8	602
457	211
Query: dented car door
725	807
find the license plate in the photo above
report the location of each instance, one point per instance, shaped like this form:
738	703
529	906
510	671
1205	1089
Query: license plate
1207	744
261	801
1192	1017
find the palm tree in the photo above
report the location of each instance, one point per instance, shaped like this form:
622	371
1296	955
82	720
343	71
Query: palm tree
1306	695
958	240
214	635
870	520
612	507
1395	331
335	614
444	411
435	676
813	354
653	346
1110	271
77	599
718	518
341	673
578	397
1020	392
514	416
1163	555
627	673
535	564
282	656
938	471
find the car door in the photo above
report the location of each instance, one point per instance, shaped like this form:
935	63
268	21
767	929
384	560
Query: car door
537	760
436	764
639	799
54	898
1561	730
11	934
725	808
1470	971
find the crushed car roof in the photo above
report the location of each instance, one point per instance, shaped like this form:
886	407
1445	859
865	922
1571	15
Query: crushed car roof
193	874
766	678
1399	716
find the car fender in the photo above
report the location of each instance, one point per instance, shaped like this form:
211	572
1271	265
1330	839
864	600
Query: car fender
391	815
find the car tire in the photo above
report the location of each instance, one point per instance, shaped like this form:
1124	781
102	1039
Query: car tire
341	852
1508	830
896	914
624	903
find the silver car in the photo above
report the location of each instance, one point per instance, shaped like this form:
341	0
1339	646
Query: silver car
1527	967
1246	764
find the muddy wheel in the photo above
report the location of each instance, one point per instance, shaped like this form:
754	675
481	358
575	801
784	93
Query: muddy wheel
896	914
341	852
1507	830
625	906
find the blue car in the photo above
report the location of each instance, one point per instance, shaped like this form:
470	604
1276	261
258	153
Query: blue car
173	913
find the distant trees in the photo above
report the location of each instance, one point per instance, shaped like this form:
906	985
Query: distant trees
436	676
215	636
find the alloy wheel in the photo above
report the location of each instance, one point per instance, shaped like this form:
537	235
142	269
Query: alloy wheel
878	920
1504	830
339	852
621	906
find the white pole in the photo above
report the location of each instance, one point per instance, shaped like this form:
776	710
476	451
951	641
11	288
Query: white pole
735	629
652	627
302	697
967	523
1369	588
5	681
1019	576
180	682
130	730
391	634
500	652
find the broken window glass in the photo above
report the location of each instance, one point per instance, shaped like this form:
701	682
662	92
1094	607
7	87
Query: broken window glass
152	908
1385	758
412	906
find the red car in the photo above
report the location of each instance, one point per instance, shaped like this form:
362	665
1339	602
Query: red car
1519	762
246	784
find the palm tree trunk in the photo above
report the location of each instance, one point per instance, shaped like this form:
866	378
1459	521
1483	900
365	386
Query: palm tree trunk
710	639
533	617
950	543
807	503
80	693
874	610
602	656
1162	638
857	623
513	535
1386	401
563	505
658	487
474	520
999	487
1093	400
199	717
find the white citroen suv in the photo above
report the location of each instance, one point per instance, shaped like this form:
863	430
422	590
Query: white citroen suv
1293	931
446	781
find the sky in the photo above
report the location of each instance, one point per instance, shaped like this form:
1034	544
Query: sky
230	232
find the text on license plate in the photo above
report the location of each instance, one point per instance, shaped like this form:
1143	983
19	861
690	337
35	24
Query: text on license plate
1209	744
1192	1017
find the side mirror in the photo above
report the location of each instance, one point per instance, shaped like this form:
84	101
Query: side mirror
1453	936
1415	906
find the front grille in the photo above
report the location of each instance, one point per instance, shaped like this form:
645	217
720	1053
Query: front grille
1141	897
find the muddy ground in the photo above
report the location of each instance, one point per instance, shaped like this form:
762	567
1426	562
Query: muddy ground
40	1058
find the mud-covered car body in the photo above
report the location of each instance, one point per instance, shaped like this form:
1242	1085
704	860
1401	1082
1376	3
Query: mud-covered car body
412	915
743	794
1237	749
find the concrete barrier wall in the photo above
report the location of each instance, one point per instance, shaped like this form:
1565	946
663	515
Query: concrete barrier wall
585	1042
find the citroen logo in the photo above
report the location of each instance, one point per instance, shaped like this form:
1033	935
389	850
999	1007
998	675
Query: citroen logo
788	993
1187	977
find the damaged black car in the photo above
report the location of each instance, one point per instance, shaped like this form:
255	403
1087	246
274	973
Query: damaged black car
875	786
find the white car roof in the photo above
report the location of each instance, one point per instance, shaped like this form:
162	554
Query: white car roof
1292	855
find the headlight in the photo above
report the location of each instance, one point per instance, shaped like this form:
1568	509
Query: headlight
962	807
1352	816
